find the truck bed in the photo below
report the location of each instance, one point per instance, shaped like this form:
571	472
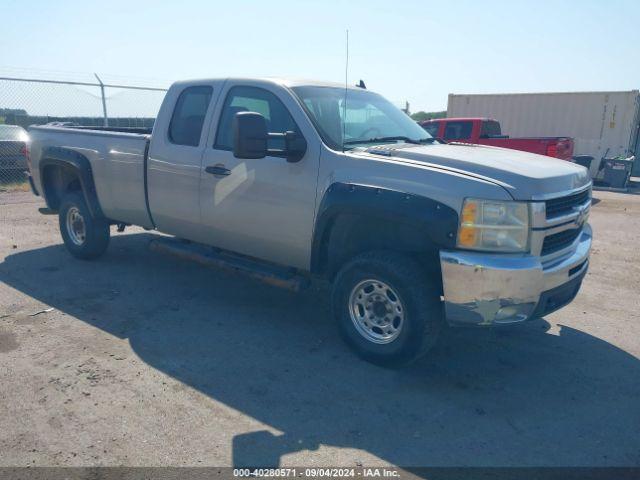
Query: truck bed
562	146
117	159
487	131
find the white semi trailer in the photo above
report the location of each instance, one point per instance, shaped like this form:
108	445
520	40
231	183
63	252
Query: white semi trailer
602	124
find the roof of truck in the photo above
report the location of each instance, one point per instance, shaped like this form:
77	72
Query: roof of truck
284	81
304	82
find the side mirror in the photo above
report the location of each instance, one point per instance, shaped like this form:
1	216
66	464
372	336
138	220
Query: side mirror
250	138
295	146
249	135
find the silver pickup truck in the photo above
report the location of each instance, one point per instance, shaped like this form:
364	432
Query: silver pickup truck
294	179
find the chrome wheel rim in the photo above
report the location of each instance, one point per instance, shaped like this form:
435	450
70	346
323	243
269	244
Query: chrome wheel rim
376	311
76	227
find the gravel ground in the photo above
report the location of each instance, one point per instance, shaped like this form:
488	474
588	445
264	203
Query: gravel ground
147	360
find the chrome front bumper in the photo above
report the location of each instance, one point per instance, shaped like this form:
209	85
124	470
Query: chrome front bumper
485	289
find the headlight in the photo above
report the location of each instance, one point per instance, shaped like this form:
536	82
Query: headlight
494	226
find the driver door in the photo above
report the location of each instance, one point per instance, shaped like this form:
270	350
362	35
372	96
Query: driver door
259	207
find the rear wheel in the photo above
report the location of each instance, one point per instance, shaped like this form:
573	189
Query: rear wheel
387	307
84	236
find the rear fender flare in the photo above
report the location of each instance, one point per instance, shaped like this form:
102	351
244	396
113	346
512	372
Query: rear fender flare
77	163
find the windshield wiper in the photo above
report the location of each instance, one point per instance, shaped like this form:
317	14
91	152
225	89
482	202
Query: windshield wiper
392	139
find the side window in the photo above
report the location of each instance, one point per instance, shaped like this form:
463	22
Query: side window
253	99
490	129
188	115
431	128
457	130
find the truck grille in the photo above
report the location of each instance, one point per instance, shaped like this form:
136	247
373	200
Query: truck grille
563	205
560	240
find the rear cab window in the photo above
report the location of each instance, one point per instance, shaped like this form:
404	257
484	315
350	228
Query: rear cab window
490	128
259	100
458	130
188	116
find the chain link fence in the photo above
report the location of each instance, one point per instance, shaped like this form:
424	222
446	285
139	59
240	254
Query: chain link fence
25	102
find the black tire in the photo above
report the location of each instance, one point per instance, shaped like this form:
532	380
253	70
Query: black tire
96	231
419	298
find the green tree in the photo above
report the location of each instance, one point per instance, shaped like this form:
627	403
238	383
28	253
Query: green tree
421	116
12	111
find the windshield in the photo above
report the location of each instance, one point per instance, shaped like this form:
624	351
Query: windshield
367	118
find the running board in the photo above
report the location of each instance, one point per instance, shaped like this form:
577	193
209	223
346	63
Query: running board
274	275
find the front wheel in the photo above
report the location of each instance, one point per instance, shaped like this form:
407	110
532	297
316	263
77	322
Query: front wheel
387	308
84	236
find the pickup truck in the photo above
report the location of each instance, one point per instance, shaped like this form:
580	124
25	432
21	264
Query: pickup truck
486	131
297	180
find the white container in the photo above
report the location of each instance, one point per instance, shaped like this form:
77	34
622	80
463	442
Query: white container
601	123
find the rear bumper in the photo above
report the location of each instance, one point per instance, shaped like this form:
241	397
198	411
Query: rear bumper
487	289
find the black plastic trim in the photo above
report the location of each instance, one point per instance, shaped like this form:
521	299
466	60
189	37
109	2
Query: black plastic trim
71	160
558	297
145	165
435	223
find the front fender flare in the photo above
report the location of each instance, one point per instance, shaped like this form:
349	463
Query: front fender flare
437	222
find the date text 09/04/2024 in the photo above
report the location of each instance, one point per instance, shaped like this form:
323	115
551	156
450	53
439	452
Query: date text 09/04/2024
316	472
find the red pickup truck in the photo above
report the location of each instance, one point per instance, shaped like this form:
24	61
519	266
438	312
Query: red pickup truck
486	131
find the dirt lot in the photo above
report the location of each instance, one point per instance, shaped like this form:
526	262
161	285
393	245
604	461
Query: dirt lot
146	360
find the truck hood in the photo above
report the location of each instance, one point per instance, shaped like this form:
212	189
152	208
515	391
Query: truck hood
526	176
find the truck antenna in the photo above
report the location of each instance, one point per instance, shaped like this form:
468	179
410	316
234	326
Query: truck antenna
346	83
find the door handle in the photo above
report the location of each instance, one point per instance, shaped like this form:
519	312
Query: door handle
218	170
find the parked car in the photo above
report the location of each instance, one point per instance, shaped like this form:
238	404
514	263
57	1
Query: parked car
267	172
14	143
486	131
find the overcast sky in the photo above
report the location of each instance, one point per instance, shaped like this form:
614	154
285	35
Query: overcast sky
418	51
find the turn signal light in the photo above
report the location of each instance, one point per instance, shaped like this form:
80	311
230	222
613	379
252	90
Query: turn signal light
467	236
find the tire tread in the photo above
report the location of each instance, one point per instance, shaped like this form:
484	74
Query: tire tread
98	232
420	286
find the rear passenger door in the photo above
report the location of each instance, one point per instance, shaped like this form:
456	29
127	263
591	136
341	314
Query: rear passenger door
175	158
